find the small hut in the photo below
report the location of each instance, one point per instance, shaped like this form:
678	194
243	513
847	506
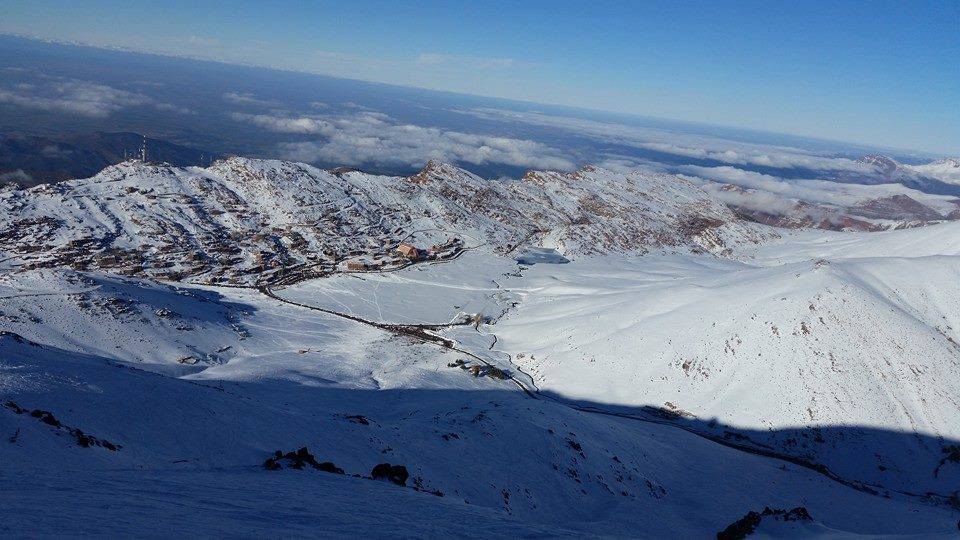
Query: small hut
409	251
356	265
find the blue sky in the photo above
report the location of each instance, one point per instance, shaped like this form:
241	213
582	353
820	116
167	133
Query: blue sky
884	73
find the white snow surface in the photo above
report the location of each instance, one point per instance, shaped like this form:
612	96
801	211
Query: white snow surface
844	342
946	170
190	454
672	366
429	293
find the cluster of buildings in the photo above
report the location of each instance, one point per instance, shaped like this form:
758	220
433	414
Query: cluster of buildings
405	253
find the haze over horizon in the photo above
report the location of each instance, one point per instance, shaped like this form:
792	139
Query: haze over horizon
808	71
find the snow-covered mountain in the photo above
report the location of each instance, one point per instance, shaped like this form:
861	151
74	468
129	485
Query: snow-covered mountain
946	170
597	353
240	221
847	205
937	177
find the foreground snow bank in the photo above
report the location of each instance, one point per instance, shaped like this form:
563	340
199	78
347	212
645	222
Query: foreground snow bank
191	456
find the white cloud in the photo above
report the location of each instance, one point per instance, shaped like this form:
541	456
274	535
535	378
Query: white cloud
775	195
81	97
375	138
749	199
763	158
682	144
945	170
807	190
245	98
76	96
284	124
626	164
55	152
15	176
170	107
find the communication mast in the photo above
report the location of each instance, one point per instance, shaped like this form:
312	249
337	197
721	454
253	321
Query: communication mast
143	150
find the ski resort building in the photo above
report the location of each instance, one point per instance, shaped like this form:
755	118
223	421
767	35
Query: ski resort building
356	265
409	251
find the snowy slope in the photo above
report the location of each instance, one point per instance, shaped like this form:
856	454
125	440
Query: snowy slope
741	359
870	343
122	318
429	293
550	467
795	246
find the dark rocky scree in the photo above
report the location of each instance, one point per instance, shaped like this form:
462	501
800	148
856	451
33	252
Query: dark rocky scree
951	454
83	440
392	473
480	370
396	474
748	524
298	460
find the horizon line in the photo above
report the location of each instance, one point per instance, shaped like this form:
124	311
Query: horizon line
580	108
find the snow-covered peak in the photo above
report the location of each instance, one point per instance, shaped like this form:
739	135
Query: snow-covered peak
440	172
888	170
946	170
884	164
950	162
243	220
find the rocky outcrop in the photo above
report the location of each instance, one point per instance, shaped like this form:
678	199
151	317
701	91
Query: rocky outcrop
396	474
298	460
748	524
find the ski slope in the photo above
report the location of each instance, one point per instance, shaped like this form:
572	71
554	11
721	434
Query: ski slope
431	293
866	344
190	452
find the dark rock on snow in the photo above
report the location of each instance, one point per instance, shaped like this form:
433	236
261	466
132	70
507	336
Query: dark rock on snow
746	525
298	460
392	473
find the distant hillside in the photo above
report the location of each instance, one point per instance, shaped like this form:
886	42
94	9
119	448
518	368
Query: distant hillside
30	160
242	220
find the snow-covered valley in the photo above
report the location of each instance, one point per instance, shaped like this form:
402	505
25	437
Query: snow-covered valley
581	354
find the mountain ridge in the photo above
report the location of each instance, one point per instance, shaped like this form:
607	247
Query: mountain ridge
43	159
241	220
